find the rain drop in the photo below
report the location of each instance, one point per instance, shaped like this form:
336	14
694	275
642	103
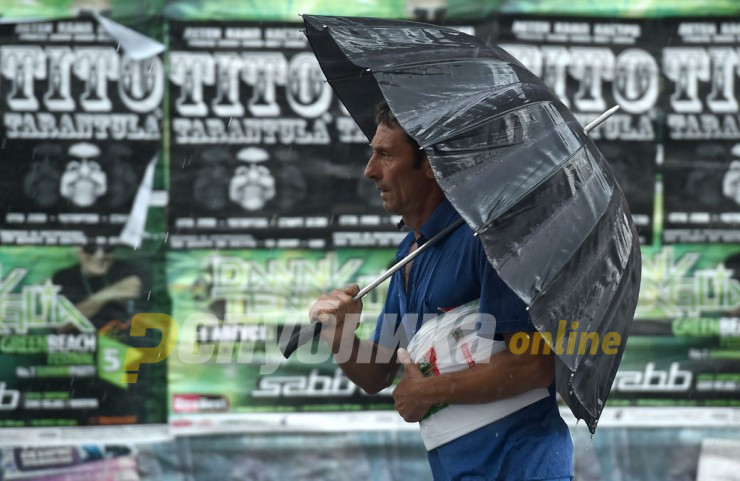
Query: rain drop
4	142
149	295
166	235
118	47
230	119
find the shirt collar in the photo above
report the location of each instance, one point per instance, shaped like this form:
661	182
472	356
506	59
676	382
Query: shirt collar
442	216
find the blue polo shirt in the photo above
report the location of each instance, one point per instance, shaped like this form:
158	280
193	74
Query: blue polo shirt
531	444
452	272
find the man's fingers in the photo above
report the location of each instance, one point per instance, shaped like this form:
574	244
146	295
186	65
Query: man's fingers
347	296
325	308
405	358
352	290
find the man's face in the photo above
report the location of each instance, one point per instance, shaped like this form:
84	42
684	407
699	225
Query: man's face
403	186
95	261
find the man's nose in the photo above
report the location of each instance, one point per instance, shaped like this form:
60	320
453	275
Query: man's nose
371	168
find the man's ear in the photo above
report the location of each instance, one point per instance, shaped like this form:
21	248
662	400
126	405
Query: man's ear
427	167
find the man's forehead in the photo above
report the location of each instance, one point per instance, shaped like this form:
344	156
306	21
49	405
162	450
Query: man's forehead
386	136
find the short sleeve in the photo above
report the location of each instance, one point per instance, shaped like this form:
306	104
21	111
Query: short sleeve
497	299
389	331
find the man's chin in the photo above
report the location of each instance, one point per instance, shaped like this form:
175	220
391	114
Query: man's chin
390	208
98	270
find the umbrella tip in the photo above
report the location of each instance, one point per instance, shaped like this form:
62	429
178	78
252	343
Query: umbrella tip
600	119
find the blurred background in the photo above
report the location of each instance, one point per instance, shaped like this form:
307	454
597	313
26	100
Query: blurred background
187	158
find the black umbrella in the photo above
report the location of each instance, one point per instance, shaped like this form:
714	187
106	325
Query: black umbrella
516	165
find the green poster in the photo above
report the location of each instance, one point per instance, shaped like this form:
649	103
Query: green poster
287	10
231	308
684	346
65	317
475	9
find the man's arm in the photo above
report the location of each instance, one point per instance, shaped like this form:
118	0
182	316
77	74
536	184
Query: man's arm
369	365
127	288
504	376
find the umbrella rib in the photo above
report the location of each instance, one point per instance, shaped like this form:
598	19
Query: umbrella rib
599	255
477	124
421	63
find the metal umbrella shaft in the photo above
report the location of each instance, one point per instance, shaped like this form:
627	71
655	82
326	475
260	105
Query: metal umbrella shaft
308	332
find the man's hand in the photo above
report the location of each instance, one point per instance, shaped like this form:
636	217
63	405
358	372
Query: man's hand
339	315
409	393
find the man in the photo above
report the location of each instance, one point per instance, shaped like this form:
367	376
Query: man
105	290
110	292
531	443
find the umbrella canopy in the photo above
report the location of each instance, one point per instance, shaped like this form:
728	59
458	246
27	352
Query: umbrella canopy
516	165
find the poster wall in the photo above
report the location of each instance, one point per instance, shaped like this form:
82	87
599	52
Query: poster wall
683	344
268	208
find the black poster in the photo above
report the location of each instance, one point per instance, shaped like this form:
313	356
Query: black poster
262	152
702	156
593	65
81	120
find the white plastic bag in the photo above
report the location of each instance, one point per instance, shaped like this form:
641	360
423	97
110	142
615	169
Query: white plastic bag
450	341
